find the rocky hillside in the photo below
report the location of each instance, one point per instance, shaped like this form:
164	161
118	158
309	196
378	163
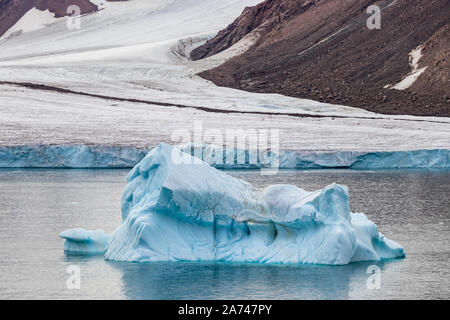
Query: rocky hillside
323	50
267	15
436	56
12	10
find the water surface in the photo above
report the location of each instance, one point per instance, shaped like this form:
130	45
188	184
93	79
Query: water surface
410	207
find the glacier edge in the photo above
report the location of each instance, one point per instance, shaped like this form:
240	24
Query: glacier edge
86	157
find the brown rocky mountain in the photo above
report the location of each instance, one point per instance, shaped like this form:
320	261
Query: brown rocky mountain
267	15
323	50
12	10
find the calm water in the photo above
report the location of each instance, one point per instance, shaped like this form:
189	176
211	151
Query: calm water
411	207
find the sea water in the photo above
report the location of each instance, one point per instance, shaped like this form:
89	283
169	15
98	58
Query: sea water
410	207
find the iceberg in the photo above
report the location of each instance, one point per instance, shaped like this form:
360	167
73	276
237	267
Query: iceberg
84	242
178	208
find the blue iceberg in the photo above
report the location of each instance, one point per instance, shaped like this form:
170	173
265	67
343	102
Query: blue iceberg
85	242
179	208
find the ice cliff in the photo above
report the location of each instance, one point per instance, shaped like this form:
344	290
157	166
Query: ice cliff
177	207
83	156
69	156
228	158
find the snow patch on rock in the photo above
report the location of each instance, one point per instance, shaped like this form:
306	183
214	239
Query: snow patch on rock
409	80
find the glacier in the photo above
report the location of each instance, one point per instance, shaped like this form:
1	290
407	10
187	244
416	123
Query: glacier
179	208
139	51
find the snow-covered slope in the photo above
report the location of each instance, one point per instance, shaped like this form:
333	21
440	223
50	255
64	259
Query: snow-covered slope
138	50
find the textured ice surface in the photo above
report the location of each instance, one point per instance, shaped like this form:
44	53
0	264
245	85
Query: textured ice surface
176	207
85	242
415	73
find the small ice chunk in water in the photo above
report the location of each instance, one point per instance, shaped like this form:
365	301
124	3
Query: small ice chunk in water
85	242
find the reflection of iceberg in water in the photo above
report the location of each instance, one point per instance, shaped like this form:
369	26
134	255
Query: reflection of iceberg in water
179	208
187	280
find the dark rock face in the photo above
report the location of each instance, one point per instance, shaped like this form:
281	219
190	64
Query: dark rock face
322	50
267	15
12	10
